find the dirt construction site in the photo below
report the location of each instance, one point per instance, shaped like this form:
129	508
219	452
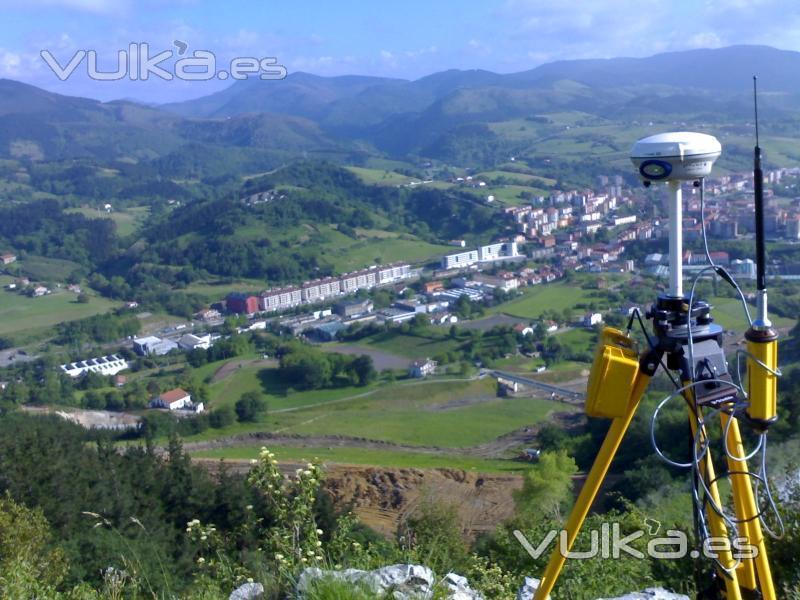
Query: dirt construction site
382	498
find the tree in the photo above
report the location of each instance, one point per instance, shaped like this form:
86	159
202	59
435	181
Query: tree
364	369
547	486
82	299
222	417
250	406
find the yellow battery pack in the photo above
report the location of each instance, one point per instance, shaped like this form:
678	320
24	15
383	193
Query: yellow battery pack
616	363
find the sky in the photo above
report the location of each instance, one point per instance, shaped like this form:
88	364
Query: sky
407	39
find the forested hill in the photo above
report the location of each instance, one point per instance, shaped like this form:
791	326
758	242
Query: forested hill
281	227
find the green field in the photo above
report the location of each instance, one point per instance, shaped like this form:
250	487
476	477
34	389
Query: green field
214	291
128	220
412	346
251	378
349	254
380	176
729	313
443	413
369	456
552	296
32	316
40	268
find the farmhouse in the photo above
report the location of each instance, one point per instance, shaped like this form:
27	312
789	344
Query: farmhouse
104	365
173	400
7	258
422	368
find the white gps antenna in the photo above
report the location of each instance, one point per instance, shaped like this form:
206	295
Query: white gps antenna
673	158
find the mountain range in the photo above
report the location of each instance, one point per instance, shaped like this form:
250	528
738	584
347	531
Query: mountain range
452	115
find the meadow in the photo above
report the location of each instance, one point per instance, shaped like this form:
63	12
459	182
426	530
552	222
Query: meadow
370	457
33	316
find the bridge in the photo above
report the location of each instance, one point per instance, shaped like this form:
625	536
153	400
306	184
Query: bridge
547	387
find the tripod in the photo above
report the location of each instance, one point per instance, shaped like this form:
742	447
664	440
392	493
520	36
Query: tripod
691	342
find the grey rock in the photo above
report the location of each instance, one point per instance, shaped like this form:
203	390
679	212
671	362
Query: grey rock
403	582
528	589
650	594
248	591
459	589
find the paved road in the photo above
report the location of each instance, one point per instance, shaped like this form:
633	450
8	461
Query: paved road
548	387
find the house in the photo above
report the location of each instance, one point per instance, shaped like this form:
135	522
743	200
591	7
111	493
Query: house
7	258
104	365
591	319
209	315
422	368
173	400
39	291
523	329
242	304
190	341
75	289
120	381
153	346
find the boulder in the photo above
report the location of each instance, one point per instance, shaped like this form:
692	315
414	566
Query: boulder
248	591
403	582
459	589
528	589
650	594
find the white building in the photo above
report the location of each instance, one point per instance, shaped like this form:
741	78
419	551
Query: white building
105	365
592	319
422	368
190	341
460	260
176	399
320	290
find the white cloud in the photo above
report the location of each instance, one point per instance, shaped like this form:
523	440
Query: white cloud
10	63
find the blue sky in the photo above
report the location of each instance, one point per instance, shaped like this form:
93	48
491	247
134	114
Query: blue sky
395	39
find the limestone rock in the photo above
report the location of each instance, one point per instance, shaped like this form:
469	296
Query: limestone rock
248	591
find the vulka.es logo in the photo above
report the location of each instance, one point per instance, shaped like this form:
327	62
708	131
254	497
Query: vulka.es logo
138	64
609	543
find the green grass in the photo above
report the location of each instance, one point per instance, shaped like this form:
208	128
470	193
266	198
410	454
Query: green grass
128	220
214	291
380	176
535	300
728	313
266	380
368	456
410	345
349	254
429	414
442	413
40	268
23	318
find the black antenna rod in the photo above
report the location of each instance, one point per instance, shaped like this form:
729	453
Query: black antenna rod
758	187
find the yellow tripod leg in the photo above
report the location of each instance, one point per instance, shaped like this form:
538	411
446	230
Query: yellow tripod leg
747	511
716	523
592	486
740	485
